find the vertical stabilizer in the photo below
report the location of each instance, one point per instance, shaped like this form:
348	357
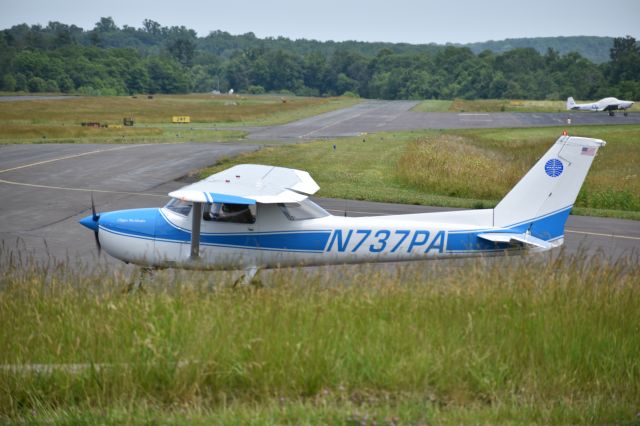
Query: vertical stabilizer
545	195
570	103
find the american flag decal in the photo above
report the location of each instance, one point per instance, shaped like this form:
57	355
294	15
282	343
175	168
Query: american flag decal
588	151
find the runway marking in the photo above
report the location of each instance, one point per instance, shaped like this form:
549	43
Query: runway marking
355	211
342	119
103	191
570	231
39	163
475	117
602	235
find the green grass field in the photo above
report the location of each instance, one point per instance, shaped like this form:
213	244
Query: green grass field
459	168
46	121
541	341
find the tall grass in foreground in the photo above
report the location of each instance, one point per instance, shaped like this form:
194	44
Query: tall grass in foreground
534	340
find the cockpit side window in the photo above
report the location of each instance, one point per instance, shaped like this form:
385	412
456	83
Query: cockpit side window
227	212
179	206
304	210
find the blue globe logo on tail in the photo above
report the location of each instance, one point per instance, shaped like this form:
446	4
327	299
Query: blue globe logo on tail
553	167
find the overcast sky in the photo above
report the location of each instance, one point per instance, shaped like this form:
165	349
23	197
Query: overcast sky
411	21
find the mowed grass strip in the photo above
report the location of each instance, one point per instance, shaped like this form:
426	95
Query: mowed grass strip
55	120
459	168
433	106
160	109
491	105
533	340
12	133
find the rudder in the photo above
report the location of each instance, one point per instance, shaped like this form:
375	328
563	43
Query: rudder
542	199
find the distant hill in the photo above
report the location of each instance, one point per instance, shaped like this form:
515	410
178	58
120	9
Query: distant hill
224	44
152	38
596	49
109	60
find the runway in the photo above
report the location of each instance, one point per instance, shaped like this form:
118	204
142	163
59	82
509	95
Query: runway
378	116
46	188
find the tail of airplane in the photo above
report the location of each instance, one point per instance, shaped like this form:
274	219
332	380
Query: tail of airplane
540	203
570	103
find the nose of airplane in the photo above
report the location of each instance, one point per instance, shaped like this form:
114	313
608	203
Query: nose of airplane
90	222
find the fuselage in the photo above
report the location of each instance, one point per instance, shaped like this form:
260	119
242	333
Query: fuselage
606	104
161	237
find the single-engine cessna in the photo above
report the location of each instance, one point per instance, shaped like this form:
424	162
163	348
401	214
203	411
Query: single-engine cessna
606	104
254	216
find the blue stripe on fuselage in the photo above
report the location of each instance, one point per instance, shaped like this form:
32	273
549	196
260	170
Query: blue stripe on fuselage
152	224
548	227
137	222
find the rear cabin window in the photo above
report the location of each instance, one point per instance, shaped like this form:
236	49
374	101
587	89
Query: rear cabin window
304	210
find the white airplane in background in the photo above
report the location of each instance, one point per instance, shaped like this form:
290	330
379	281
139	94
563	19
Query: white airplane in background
253	216
606	104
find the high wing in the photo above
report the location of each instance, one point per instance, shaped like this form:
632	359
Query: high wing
250	184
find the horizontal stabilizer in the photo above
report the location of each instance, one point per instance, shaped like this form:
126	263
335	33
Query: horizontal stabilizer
516	239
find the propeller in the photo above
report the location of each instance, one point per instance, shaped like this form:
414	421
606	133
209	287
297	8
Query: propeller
96	217
91	222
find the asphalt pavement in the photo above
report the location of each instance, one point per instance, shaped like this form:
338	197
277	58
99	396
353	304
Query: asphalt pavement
35	98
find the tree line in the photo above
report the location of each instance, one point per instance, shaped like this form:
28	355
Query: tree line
109	60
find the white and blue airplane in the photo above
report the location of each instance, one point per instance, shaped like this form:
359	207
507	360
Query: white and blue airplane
254	216
606	104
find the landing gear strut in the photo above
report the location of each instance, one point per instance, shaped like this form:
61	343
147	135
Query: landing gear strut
143	275
249	277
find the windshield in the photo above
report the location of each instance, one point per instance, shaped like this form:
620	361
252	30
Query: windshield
178	206
303	210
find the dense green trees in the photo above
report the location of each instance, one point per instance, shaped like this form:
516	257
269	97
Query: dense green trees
157	59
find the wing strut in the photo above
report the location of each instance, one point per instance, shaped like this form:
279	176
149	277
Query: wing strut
195	231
